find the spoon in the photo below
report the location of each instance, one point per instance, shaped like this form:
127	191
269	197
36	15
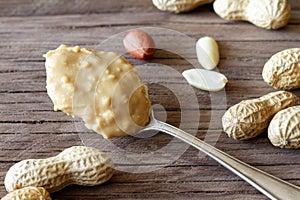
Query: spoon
269	185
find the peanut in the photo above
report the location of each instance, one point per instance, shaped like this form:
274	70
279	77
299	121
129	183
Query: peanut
282	70
249	118
268	14
28	193
207	52
205	80
139	44
76	165
178	6
284	129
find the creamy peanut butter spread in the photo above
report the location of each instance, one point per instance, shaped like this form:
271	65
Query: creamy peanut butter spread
102	88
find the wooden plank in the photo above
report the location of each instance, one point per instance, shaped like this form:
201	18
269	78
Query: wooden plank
258	152
57	7
69	29
189	172
238	53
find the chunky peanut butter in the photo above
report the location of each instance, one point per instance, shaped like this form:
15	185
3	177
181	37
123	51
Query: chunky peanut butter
102	88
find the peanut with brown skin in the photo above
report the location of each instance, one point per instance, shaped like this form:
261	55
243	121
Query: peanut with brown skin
250	118
76	165
28	193
139	44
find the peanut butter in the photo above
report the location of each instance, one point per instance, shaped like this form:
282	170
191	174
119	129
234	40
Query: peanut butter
102	88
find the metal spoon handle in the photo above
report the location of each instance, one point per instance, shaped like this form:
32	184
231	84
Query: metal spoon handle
269	185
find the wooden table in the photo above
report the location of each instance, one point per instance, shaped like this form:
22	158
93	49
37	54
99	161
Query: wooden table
31	129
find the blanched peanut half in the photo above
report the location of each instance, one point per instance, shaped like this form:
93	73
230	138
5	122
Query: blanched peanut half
205	80
207	52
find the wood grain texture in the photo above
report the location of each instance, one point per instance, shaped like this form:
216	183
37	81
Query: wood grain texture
29	128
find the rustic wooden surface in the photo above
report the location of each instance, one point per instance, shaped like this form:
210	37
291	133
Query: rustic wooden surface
29	128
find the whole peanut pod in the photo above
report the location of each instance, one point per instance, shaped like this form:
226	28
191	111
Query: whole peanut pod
268	14
284	129
249	118
79	165
28	193
179	6
282	70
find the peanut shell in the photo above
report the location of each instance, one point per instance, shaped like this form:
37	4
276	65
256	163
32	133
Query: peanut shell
268	14
282	70
284	129
76	165
178	6
28	193
249	118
